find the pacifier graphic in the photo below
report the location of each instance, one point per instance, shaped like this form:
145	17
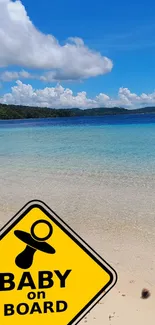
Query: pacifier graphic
25	259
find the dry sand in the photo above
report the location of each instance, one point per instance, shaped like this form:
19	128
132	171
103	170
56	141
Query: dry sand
116	216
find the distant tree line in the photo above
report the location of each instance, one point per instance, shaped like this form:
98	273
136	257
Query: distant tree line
25	112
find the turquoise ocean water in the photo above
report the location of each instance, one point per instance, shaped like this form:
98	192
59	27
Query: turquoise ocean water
123	144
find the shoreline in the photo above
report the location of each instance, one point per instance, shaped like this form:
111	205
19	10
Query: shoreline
101	183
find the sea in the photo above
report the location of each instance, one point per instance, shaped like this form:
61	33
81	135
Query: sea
121	143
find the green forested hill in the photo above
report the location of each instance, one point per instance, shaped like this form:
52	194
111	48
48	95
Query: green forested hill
23	112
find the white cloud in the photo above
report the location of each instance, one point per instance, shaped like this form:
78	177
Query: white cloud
22	45
13	75
59	97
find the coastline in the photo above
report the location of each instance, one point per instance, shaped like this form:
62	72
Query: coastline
20	112
71	117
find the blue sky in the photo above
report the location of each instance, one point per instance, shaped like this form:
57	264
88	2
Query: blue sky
124	31
121	31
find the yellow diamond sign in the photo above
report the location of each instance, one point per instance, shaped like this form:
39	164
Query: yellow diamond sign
48	274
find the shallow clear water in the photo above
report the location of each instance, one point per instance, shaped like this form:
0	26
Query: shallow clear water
116	144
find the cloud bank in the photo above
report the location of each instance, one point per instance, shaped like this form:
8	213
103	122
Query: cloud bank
59	97
23	45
